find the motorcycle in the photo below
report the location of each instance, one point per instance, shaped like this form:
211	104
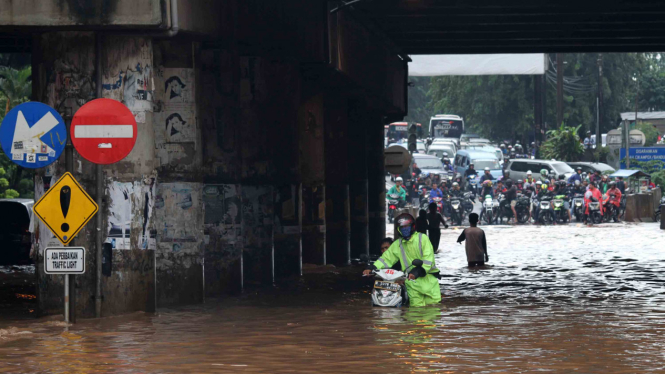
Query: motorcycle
467	203
389	289
472	184
545	213
456	210
393	202
611	210
594	212
578	207
489	207
521	208
560	214
439	204
656	215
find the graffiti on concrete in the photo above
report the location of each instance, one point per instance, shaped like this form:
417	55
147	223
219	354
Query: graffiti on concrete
134	87
130	222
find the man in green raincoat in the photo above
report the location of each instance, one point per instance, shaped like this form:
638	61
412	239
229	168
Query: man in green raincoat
422	287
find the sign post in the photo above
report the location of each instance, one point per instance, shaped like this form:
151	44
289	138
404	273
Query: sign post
65	208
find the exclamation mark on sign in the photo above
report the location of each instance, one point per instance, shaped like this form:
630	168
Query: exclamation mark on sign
65	199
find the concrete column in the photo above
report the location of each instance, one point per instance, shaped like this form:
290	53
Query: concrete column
376	183
338	250
64	78
312	163
357	155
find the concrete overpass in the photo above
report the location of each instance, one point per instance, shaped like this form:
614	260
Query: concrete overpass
260	122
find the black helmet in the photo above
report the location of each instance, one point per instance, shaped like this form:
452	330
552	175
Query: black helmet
562	177
579	168
612	184
509	183
406	225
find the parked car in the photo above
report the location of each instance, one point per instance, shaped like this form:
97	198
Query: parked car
480	159
591	167
15	236
519	167
429	164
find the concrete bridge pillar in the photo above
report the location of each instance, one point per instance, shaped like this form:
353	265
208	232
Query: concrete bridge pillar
376	183
357	156
312	162
337	179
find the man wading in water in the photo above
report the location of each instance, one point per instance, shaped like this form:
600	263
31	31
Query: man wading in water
476	244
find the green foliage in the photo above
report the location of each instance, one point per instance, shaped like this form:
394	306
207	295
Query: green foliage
419	102
563	144
495	106
15	88
658	178
600	154
649	167
650	132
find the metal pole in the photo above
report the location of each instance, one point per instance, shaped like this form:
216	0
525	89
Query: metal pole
70	283
599	104
99	175
559	89
66	297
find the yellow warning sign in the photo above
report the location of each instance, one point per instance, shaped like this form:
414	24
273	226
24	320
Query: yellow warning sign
65	208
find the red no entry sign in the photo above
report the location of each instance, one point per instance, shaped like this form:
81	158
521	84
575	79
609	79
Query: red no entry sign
103	131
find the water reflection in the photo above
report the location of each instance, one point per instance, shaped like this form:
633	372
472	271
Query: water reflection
560	299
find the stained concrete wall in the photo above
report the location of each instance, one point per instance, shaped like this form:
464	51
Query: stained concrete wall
246	166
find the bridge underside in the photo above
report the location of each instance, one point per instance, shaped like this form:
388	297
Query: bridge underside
260	142
514	26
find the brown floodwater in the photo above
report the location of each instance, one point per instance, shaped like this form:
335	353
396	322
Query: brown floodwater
555	300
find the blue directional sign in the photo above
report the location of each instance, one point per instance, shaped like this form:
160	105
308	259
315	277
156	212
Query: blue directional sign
33	135
643	154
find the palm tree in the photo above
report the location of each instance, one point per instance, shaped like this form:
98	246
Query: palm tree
15	85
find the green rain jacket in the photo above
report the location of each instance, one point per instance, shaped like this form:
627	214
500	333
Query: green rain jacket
424	290
401	192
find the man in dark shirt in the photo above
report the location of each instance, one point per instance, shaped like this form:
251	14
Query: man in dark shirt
476	243
621	185
470	171
511	197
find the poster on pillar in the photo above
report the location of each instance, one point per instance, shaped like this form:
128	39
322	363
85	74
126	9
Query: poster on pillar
179	217
176	120
223	220
131	208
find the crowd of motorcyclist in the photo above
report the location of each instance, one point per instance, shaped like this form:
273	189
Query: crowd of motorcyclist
519	201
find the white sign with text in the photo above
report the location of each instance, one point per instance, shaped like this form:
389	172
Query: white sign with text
64	260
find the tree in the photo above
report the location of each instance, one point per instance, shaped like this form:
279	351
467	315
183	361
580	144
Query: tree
496	106
419	108
650	132
15	86
563	144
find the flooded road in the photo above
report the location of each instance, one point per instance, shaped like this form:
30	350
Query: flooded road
555	299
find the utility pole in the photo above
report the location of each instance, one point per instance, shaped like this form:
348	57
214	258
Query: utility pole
559	89
627	126
599	101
